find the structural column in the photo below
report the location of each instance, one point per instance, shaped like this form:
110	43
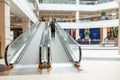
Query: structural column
77	2
4	25
119	30
36	7
77	34
77	20
104	33
77	16
101	34
26	25
77	12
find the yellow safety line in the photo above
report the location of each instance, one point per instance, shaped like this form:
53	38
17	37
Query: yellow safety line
78	68
50	69
38	69
7	71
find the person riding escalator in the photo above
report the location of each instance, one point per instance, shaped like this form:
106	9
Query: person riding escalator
52	25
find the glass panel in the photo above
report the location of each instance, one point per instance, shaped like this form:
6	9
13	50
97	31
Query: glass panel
94	2
60	1
30	1
45	37
19	45
40	1
71	45
44	44
103	1
74	2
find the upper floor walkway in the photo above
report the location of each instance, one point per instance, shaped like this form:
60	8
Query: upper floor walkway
80	7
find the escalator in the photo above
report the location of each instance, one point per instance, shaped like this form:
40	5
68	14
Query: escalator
65	49
61	49
58	52
35	50
23	53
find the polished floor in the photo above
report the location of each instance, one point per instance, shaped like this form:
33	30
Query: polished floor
95	65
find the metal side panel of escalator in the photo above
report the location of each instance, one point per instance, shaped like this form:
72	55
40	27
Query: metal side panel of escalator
23	54
71	47
45	52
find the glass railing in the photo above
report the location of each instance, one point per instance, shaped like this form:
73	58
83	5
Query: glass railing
30	4
45	37
94	2
44	50
71	46
103	1
59	2
29	1
18	46
74	2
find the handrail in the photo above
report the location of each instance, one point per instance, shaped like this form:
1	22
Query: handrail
80	56
65	38
19	45
6	49
40	49
45	58
49	47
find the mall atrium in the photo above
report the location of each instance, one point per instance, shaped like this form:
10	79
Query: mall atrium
59	40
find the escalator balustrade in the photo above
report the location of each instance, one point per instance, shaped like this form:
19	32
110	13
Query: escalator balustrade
44	52
71	47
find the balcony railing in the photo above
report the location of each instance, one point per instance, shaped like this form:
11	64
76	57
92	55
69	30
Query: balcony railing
74	2
58	2
94	2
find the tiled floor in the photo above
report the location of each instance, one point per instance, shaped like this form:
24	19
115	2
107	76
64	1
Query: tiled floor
92	69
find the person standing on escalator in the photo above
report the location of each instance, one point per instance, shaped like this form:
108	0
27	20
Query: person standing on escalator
52	25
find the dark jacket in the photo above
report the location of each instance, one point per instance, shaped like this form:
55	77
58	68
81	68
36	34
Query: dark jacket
52	25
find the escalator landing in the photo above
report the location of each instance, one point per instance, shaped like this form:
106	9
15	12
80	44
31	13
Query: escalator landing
57	68
24	70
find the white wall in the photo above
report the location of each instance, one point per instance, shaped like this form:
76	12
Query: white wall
73	7
104	33
94	24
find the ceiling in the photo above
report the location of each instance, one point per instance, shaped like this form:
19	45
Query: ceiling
15	22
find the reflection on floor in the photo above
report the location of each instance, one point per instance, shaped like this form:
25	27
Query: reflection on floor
92	69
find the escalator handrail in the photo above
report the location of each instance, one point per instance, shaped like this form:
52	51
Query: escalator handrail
80	54
40	48
6	49
48	45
